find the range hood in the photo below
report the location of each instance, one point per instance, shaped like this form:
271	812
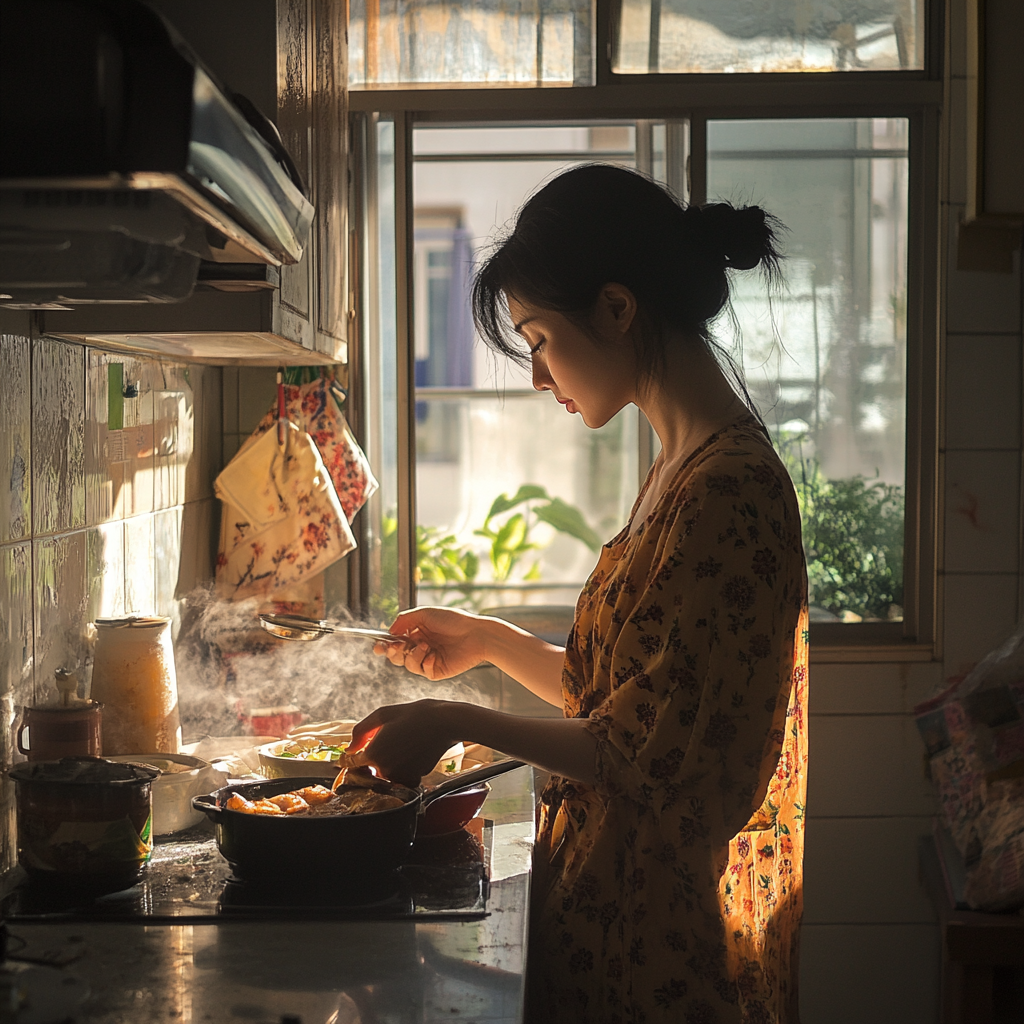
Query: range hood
125	165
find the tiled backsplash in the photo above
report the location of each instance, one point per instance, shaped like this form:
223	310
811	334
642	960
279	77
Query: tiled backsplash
97	518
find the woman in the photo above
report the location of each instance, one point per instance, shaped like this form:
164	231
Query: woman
668	858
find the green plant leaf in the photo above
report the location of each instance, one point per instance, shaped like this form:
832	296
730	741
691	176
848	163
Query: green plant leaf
568	519
528	492
512	535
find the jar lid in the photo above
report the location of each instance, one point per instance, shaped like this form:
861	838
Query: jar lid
134	622
83	771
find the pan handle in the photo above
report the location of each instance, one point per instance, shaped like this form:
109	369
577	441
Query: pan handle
472	778
207	803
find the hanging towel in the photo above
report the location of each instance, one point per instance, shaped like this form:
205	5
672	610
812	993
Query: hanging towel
282	521
313	407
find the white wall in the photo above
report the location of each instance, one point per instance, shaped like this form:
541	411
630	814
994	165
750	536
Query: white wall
870	941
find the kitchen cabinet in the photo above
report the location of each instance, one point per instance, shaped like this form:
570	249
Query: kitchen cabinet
289	58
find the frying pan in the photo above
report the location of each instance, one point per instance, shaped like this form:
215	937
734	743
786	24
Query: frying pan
331	846
298	627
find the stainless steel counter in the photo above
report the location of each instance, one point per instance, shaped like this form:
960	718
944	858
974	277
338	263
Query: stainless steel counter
314	972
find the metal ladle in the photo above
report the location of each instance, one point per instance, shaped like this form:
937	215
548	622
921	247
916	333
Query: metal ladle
298	627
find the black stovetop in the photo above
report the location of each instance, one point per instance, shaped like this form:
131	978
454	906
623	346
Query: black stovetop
187	880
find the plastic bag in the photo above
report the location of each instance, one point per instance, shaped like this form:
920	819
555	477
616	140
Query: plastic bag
974	733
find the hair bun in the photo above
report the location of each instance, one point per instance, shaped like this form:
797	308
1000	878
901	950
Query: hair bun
743	235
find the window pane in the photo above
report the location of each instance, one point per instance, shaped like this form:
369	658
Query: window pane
679	36
481	430
483	42
826	361
381	376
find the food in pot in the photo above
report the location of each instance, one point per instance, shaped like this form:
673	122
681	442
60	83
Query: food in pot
357	796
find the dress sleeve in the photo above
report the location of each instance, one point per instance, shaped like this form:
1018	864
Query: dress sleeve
701	669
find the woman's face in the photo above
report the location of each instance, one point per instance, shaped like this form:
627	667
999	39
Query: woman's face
595	377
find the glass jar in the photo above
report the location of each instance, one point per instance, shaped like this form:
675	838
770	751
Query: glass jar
133	676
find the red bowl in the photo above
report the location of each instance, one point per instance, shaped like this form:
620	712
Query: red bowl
452	812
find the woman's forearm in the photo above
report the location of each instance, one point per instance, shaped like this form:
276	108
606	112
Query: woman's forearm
563	746
526	658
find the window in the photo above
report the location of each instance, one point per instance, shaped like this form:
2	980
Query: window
504	497
482	432
827	364
734	36
484	42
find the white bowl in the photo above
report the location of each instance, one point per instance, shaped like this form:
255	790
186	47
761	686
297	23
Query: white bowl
274	766
181	778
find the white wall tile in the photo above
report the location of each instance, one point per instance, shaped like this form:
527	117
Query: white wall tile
979	613
139	566
229	407
869	974
866	765
983	391
863	870
119	463
61	607
16	630
200	523
167	542
205	460
982	511
230	445
976	302
104	568
16	437
257	392
172	443
872	688
58	436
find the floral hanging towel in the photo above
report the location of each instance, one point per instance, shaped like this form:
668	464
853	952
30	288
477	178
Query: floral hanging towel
313	407
282	521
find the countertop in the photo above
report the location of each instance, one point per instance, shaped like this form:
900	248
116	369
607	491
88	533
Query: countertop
313	972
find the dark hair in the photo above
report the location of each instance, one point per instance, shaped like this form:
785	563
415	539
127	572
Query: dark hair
597	224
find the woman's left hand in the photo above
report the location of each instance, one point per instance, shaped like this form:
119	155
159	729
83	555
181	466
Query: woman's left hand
405	741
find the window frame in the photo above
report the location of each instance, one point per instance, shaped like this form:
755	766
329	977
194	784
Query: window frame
699	98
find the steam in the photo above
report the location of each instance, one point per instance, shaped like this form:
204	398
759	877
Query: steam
227	665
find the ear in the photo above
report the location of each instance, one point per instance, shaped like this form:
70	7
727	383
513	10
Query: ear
620	306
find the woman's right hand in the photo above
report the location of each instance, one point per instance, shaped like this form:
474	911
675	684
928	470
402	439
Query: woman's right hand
442	642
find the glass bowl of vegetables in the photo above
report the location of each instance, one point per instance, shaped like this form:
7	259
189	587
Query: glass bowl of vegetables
301	755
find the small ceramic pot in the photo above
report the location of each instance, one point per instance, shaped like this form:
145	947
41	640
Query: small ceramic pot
57	732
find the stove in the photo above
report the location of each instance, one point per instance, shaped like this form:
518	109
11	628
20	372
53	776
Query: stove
188	881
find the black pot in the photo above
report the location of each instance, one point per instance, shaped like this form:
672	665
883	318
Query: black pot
261	847
84	822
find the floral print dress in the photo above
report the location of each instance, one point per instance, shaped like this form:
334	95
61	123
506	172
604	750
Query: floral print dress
672	890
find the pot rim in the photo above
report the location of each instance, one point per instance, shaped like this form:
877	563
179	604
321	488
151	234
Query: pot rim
19	773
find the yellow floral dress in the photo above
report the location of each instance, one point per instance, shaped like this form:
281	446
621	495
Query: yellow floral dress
672	890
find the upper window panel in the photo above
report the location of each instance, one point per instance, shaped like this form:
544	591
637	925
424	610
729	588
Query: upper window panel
735	36
423	43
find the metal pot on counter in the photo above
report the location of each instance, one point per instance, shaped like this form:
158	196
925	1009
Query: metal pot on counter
84	821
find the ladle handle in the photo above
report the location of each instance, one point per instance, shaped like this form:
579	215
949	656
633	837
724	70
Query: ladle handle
471	778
